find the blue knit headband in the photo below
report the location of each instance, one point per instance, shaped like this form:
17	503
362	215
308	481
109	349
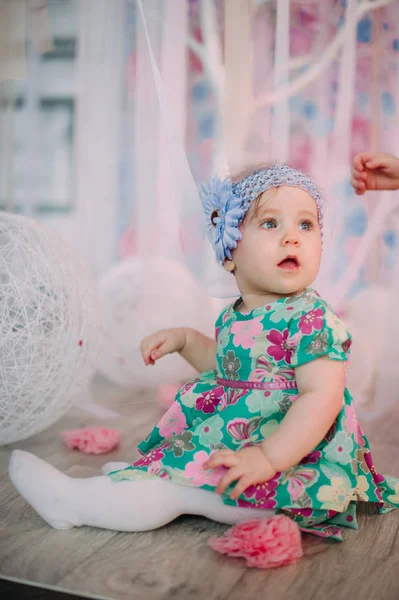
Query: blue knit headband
225	204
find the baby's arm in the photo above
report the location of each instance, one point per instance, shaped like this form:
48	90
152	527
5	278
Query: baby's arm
321	388
199	350
321	384
196	348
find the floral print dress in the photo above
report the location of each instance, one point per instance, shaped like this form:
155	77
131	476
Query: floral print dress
245	399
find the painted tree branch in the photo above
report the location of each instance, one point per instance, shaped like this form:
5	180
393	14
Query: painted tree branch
321	63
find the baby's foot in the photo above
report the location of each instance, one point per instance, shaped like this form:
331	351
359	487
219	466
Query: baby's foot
45	488
114	466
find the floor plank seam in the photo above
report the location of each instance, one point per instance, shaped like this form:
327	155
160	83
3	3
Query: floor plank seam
235	584
82	563
390	553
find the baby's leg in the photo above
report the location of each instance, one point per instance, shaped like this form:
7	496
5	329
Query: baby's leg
64	502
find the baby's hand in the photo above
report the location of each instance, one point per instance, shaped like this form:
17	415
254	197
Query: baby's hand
374	172
248	466
162	342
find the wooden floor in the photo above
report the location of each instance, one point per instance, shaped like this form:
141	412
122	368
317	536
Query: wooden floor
175	561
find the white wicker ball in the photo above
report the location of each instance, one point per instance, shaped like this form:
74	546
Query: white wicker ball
48	338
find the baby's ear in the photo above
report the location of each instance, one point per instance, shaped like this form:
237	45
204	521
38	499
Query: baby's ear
229	265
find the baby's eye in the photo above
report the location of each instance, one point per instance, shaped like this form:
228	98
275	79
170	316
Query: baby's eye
269	224
306	225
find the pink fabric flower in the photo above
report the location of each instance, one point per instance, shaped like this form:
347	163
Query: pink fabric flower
314	319
210	400
200	476
280	348
173	421
264	543
245	332
92	440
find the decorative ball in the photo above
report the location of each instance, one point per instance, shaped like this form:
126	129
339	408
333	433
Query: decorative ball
141	296
48	333
370	306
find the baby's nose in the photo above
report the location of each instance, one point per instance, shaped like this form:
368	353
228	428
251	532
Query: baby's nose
290	238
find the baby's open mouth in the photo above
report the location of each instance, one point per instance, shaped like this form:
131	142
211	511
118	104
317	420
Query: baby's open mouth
290	263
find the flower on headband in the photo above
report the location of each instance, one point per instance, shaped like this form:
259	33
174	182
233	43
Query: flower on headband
223	212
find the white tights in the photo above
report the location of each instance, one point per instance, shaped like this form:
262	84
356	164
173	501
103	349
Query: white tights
65	502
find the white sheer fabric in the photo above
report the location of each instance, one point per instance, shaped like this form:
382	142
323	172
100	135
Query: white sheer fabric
257	130
135	118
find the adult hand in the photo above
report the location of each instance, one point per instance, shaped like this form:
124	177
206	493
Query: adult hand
374	172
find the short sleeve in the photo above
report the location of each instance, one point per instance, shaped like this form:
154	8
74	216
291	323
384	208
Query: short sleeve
318	332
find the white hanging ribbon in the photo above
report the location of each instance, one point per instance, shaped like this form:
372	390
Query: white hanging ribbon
98	90
238	97
345	101
210	54
145	131
281	115
201	263
99	71
340	154
174	75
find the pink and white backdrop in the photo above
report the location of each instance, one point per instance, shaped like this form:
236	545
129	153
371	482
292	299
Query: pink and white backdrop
109	147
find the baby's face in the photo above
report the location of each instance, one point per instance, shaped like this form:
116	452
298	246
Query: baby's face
280	250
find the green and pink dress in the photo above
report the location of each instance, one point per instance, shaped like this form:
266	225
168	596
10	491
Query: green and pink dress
245	399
